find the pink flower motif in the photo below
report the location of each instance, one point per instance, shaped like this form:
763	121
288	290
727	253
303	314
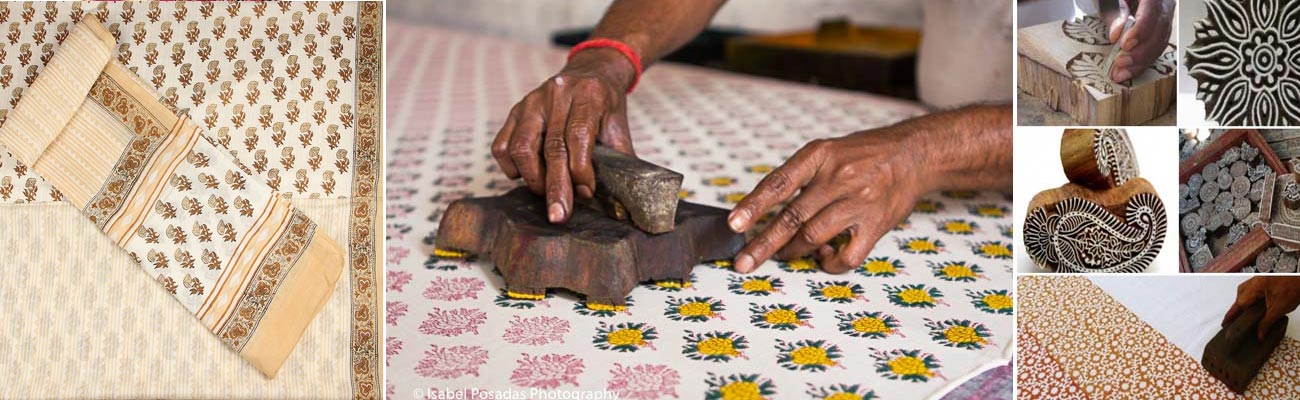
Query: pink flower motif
397	280
536	331
453	289
548	371
451	362
394	348
647	381
397	254
453	322
396	309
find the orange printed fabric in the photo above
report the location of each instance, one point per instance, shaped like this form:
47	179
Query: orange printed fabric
251	268
1077	342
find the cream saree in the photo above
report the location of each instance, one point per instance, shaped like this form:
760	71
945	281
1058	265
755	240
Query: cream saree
254	270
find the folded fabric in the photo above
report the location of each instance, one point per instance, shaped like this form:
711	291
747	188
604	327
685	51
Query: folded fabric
252	269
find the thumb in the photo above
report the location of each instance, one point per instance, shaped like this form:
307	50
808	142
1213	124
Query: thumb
1271	316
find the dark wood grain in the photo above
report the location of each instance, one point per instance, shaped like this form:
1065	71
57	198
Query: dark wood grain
592	254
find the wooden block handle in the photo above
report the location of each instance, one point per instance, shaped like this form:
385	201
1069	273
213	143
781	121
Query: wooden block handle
1098	159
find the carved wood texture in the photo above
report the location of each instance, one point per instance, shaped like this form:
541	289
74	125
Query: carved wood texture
1246	62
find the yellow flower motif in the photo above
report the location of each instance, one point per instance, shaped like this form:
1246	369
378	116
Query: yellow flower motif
926	206
733	198
870	325
624	337
990	211
683	194
958	227
741	390
958	271
837	292
843	396
810	355
995	250
906	365
913	296
760	168
962	334
716	347
802	264
696	309
720	181
781	316
921	245
880	267
997	301
757	285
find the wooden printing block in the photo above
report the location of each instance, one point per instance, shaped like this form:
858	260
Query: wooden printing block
591	254
1234	145
629	187
1236	354
1061	63
1280	214
1098	158
1076	229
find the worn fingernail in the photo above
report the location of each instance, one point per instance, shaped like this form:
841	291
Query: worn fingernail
738	219
744	263
1130	43
556	213
585	191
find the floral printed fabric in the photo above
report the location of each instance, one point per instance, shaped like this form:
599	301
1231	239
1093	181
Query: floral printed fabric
930	307
1068	326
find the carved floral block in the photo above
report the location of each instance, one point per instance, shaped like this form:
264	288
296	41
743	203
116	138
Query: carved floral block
1246	63
1076	229
1064	63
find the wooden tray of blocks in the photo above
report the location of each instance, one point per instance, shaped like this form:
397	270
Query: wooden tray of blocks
1229	258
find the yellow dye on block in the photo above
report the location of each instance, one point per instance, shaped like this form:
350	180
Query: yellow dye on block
444	253
524	296
605	307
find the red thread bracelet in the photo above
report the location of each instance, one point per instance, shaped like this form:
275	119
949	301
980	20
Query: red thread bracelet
621	47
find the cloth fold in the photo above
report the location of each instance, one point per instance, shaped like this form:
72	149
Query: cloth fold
252	269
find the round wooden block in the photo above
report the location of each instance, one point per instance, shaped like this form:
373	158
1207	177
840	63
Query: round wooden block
1239	169
1224	179
1256	191
1209	190
1192	222
1098	159
1240	187
1194	240
1223	202
1285	264
1201	257
1194	182
1210	172
1240	208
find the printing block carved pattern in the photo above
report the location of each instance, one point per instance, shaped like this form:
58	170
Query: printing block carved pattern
1087	67
1082	236
1087	30
1115	156
1245	62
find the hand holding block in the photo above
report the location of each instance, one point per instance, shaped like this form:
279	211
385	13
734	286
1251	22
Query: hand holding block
1077	229
627	186
591	254
1235	355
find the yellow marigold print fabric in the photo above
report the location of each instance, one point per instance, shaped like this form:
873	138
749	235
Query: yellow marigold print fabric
251	268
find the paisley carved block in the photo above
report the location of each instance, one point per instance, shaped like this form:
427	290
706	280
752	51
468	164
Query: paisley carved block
1098	158
1077	229
1064	64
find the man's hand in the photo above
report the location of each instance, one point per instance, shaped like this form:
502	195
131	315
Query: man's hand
863	183
1145	41
1280	294
550	134
867	182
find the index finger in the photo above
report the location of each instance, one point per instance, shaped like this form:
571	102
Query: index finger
776	186
555	154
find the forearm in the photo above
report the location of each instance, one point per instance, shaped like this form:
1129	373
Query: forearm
964	149
655	28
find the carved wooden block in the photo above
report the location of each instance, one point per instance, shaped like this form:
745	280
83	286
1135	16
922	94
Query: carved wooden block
1062	63
1245	64
1098	158
591	254
1212	163
1077	229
